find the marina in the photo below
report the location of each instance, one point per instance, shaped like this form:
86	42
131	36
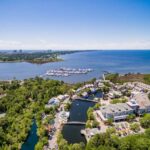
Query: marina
65	72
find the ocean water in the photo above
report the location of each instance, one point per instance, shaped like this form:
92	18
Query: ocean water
100	61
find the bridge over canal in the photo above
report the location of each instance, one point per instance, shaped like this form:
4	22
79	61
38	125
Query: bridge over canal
88	100
75	123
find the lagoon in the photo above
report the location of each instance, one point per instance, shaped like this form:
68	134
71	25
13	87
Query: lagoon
78	112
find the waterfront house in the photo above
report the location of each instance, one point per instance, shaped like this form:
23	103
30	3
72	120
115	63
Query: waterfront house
88	86
62	97
93	90
53	102
84	95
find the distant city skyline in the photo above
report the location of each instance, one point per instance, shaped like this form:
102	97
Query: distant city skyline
74	24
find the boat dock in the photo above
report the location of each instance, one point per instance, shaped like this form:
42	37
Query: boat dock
65	72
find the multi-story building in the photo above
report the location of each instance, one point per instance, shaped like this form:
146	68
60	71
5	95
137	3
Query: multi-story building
118	111
138	105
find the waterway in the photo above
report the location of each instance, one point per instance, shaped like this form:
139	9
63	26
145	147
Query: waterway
78	112
32	138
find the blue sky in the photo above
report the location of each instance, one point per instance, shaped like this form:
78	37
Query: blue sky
74	24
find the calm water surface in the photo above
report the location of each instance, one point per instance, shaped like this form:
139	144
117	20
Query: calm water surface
78	112
32	138
112	61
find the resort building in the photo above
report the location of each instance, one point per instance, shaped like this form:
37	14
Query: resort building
117	112
138	105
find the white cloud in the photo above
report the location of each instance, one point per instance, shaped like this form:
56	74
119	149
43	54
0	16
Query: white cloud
43	44
43	41
9	44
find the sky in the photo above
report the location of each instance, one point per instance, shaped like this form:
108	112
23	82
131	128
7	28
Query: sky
74	24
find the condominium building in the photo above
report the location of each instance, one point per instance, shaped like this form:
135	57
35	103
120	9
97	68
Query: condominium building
118	111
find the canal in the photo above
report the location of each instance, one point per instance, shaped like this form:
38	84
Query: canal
78	112
32	138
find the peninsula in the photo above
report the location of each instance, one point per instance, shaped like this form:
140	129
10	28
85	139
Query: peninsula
37	57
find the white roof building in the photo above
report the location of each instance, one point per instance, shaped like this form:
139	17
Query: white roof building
62	97
117	111
143	102
53	102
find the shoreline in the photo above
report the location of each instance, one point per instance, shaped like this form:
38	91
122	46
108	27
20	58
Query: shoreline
31	62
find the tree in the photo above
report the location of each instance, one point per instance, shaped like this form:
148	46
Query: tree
105	89
97	105
80	146
149	96
111	130
95	124
67	106
39	145
88	124
109	121
145	121
130	117
90	114
135	127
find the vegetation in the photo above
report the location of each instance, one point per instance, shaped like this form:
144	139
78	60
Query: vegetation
23	102
109	121
126	93
135	127
130	77
96	106
110	141
145	121
63	144
147	78
105	89
118	100
131	117
107	141
67	106
33	57
149	96
91	121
